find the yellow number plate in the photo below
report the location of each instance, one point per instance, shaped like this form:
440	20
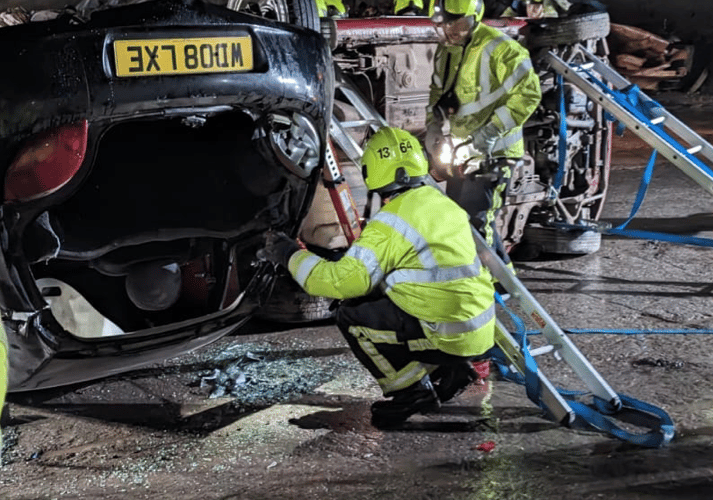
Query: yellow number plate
181	56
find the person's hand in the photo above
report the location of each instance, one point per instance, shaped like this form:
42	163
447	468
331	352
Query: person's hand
439	146
278	248
484	138
434	136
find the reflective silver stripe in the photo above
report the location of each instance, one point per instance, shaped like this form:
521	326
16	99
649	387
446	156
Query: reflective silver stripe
485	101
506	117
437	80
368	258
370	350
392	380
408	375
485	65
414	237
434	275
376	336
305	268
420	345
507	141
462	326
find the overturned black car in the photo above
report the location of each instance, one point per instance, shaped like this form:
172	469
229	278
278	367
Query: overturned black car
145	149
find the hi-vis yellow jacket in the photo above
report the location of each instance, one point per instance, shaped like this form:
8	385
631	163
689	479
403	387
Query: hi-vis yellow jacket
419	250
494	81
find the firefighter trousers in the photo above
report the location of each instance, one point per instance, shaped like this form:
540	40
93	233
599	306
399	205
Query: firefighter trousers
389	342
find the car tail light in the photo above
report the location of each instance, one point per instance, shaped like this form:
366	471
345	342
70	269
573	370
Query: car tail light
46	162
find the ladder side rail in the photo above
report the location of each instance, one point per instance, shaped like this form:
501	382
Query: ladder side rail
670	122
345	141
681	130
607	73
566	348
549	396
700	175
363	107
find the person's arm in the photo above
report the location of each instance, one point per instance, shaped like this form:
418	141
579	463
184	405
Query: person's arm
354	275
435	88
513	69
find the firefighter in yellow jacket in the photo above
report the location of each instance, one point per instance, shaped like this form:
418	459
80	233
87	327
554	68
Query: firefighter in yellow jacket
482	91
419	302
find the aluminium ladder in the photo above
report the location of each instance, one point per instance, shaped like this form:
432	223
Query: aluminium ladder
559	343
340	130
642	115
566	407
342	133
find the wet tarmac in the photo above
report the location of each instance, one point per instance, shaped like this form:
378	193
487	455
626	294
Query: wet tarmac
639	310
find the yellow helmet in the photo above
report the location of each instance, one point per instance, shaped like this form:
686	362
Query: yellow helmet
443	11
329	8
392	159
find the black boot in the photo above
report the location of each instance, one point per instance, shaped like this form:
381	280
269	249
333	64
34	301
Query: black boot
418	398
452	380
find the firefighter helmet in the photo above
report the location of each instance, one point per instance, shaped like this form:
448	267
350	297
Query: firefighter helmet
443	11
393	159
331	8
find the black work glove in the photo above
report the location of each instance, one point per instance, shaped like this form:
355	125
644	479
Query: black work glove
278	248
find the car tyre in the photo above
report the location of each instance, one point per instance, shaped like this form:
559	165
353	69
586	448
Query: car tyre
541	240
569	30
290	304
297	12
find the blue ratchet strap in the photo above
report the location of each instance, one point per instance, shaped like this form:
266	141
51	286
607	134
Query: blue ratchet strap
642	109
641	194
636	412
587	417
530	379
562	145
628	99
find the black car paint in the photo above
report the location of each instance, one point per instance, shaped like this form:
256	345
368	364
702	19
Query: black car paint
62	72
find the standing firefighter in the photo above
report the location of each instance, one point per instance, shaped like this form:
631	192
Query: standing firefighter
419	303
483	90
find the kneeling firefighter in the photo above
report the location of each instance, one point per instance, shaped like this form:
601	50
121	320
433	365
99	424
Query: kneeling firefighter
417	304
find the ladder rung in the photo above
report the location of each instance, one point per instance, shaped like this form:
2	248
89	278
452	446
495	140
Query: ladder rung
542	350
694	149
659	119
360	123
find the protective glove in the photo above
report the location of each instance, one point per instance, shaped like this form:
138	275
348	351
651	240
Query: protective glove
278	248
434	136
485	137
439	146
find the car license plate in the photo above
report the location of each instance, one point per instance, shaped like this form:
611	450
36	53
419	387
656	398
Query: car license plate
181	56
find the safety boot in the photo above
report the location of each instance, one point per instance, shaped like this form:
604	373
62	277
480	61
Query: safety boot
418	398
451	380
